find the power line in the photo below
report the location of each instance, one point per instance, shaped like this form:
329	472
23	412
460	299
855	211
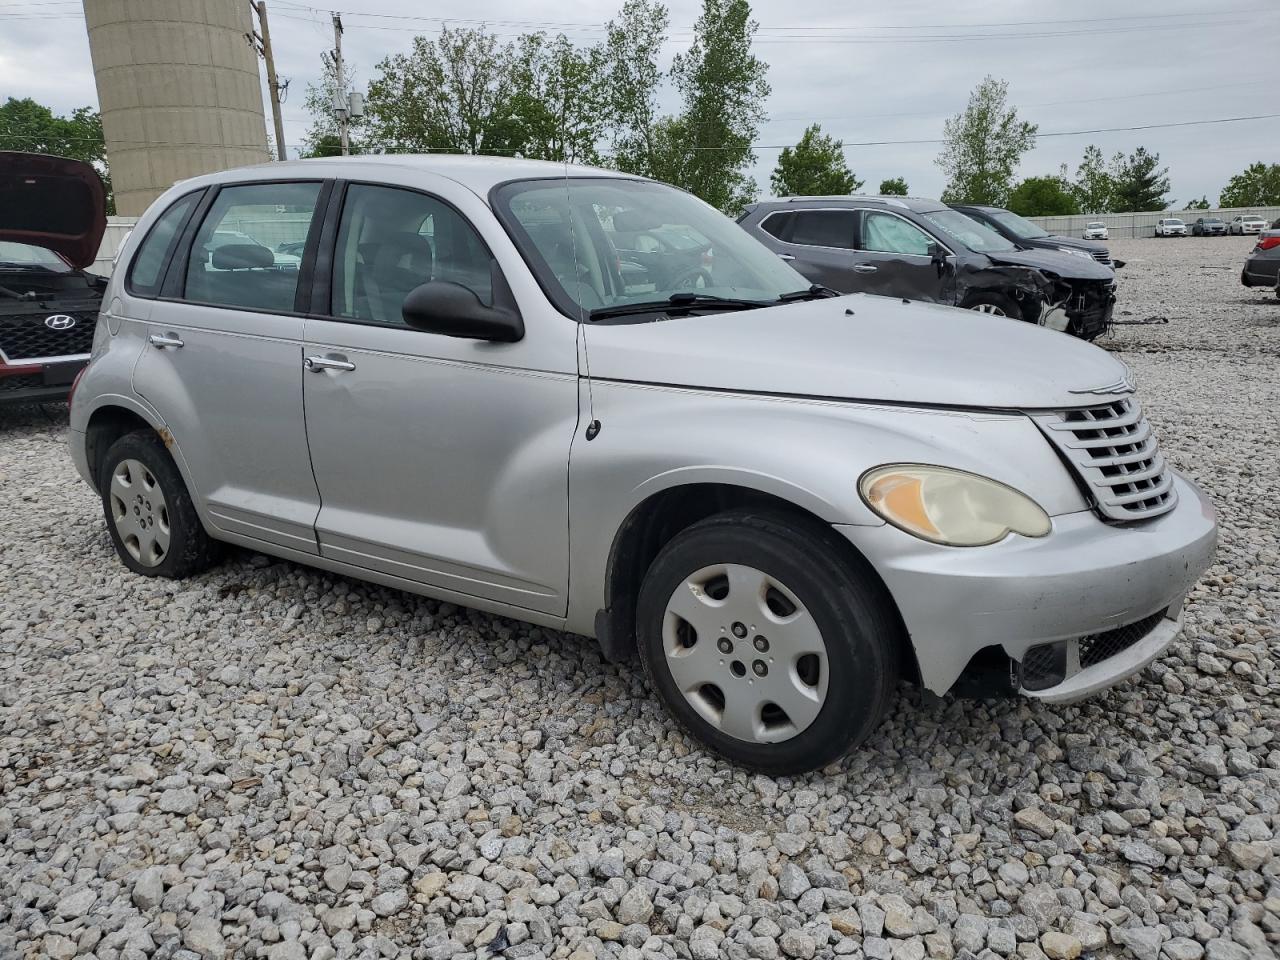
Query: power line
754	146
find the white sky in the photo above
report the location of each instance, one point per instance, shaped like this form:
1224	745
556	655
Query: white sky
866	71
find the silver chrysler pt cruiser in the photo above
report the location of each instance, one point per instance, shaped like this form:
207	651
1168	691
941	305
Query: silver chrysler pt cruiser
590	401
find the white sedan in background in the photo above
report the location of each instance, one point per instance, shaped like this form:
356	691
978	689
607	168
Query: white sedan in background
1171	227
1243	225
1097	230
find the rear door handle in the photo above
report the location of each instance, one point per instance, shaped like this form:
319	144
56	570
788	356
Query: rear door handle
864	268
165	340
320	364
786	256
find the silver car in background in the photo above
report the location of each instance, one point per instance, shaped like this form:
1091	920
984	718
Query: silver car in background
781	501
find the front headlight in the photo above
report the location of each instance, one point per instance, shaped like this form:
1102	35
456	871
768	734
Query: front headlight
948	506
1077	251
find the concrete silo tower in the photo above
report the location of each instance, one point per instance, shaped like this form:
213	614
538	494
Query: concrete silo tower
179	92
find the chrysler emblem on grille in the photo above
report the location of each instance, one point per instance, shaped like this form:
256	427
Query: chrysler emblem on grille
1125	385
59	321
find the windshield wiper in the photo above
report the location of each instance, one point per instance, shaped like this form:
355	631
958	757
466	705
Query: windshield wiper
676	303
816	291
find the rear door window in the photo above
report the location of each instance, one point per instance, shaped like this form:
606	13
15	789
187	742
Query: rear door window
824	228
247	251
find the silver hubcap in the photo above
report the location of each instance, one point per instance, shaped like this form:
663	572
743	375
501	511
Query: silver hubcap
990	308
745	653
140	513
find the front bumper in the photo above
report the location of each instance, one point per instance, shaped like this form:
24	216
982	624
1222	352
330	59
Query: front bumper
39	382
1085	578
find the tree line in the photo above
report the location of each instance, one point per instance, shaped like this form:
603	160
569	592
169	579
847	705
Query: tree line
542	96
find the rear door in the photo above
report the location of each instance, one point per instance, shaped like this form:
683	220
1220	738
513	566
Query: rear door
818	243
893	259
222	362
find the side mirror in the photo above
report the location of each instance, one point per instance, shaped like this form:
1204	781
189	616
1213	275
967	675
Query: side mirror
938	256
455	311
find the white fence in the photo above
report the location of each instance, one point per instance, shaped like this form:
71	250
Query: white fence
1144	224
117	229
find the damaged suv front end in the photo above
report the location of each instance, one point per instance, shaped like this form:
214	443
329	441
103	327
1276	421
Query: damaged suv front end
923	250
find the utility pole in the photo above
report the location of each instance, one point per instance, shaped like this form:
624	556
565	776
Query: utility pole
341	110
273	84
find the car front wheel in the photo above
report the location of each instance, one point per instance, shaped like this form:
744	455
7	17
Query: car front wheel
766	642
150	516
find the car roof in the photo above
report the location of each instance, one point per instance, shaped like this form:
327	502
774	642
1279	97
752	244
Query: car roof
479	173
915	204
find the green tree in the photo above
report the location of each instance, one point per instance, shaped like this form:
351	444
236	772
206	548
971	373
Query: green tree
1139	183
723	88
1042	197
451	93
1257	186
557	101
631	78
894	187
815	165
31	127
1201	204
983	144
1093	187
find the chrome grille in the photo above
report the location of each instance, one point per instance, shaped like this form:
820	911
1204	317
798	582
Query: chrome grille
28	338
1102	256
1114	451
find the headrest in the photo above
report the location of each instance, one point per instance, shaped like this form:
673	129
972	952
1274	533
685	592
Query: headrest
242	256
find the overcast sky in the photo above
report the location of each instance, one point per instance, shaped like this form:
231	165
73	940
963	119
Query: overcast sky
866	71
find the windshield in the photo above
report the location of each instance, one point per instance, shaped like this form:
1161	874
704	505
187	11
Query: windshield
1096	225
968	233
13	254
1175	223
602	243
1018	226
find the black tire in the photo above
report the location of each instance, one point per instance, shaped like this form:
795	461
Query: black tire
1006	305
189	549
858	623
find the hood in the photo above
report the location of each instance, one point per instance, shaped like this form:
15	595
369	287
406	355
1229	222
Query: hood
888	350
1065	265
1077	243
52	202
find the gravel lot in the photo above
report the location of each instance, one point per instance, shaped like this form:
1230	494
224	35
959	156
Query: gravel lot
271	761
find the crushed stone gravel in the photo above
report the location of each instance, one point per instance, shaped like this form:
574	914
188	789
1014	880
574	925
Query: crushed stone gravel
270	761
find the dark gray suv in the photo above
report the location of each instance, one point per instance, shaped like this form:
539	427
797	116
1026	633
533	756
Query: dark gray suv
923	250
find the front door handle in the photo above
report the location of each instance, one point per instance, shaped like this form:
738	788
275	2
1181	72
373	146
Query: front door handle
786	256
864	268
165	340
320	364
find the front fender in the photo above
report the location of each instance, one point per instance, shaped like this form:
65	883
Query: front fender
809	453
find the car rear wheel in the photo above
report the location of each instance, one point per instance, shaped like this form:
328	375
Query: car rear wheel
150	516
765	643
996	304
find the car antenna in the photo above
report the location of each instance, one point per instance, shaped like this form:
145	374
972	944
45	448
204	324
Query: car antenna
593	425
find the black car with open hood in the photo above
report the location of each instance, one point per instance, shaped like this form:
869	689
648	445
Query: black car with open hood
53	214
923	250
1028	235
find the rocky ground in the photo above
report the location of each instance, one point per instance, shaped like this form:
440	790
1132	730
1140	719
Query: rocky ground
271	761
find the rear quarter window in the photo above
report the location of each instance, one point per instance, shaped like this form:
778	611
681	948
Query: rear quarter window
146	272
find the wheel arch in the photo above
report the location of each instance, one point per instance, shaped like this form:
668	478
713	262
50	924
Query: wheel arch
660	516
107	424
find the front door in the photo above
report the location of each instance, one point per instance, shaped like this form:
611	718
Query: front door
439	460
223	364
893	260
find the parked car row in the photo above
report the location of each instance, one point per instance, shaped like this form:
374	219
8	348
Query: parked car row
783	501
